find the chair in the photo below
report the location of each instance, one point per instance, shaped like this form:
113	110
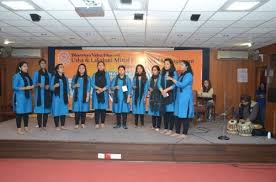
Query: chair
198	108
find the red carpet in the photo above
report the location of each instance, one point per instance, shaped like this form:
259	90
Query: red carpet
13	170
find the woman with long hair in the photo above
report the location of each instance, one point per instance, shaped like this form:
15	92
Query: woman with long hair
184	104
155	98
60	87
81	95
43	101
206	93
140	91
100	97
121	85
167	89
22	95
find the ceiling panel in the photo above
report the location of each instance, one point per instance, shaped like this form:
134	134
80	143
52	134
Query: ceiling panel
173	5
203	5
7	15
18	23
268	6
214	24
103	23
61	15
80	23
228	15
260	16
246	23
162	15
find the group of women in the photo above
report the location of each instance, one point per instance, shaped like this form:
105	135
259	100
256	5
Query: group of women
169	93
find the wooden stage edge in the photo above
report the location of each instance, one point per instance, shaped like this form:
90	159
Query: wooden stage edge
240	153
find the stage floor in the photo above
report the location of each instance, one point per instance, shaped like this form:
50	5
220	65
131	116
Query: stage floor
204	133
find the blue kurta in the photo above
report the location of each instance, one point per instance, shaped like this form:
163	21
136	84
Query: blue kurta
59	108
169	107
184	104
95	103
150	112
140	108
79	105
41	108
121	106
21	104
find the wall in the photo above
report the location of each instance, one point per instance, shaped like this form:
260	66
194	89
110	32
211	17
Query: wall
7	70
223	76
270	123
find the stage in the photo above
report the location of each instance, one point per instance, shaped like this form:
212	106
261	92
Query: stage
135	144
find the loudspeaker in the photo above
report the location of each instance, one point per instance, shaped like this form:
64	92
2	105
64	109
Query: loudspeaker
35	17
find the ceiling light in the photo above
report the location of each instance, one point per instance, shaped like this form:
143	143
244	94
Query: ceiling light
6	42
242	5
248	44
18	5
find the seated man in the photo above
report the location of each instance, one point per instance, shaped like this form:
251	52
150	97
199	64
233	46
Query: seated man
248	109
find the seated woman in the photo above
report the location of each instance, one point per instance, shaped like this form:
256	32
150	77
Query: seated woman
206	93
248	109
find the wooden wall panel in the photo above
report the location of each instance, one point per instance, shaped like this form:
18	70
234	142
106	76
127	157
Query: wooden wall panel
223	75
8	66
270	123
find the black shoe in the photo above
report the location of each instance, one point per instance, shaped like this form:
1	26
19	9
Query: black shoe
125	127
117	126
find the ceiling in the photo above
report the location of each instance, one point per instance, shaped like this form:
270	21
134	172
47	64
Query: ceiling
164	25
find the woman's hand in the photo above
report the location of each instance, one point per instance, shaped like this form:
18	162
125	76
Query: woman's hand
56	85
128	99
76	85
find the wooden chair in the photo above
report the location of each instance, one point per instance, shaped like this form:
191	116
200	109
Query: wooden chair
198	108
214	106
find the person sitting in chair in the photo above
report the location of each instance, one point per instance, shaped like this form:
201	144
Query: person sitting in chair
248	109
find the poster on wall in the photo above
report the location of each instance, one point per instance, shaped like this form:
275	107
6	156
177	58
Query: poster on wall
129	58
242	75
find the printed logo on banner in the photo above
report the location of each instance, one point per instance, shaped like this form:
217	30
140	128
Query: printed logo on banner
64	57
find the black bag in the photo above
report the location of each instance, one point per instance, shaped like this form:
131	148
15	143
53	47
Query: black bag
259	132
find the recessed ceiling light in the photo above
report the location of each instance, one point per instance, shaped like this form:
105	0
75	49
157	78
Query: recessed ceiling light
242	5
18	5
248	44
6	42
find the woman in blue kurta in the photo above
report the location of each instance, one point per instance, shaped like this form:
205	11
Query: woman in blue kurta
22	95
167	89
41	80
121	85
60	87
155	98
100	83
81	95
184	104
140	91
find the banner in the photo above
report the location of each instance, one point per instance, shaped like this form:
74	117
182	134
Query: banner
129	58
